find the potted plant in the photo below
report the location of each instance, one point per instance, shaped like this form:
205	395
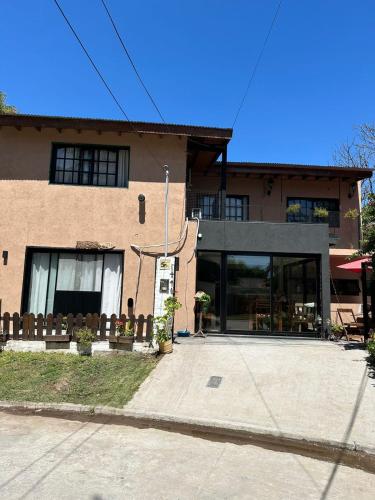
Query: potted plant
337	330
85	337
320	213
203	301
163	325
293	209
124	336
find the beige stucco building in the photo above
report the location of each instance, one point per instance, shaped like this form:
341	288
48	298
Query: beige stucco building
65	181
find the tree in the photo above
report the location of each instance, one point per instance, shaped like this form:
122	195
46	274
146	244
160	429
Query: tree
360	153
4	107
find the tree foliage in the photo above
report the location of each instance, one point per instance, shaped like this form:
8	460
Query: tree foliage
4	107
360	153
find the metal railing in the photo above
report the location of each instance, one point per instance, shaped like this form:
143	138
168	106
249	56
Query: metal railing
206	206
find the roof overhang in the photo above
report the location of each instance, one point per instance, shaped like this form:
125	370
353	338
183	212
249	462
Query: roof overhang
300	171
120	126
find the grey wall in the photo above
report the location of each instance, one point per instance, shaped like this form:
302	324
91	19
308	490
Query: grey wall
268	237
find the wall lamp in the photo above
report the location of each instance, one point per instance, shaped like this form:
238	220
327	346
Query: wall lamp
142	208
270	182
5	257
351	192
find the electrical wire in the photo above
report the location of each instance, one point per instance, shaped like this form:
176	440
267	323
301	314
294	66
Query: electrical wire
98	72
131	61
255	68
91	60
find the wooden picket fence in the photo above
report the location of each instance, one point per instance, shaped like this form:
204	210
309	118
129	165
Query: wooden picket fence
40	327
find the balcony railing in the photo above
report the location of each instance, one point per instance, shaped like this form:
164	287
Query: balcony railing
333	218
206	206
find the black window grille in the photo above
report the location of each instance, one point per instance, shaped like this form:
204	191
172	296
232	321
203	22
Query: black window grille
90	165
209	206
304	210
236	208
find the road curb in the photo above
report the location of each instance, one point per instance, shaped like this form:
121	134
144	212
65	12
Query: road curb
350	454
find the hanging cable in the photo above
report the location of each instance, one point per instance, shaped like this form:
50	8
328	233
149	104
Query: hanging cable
255	68
98	72
131	61
91	61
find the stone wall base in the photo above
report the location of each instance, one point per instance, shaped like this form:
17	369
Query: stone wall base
101	347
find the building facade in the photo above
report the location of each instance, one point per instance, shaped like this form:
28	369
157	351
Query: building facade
83	226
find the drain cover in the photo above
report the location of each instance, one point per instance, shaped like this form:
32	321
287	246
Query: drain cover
214	382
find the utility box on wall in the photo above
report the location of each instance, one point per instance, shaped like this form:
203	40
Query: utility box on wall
164	282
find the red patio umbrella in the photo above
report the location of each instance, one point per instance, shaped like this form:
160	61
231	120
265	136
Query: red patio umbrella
356	265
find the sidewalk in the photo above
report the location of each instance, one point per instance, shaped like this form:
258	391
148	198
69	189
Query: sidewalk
308	388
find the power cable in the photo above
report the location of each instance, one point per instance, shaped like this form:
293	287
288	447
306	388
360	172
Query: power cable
159	163
255	68
131	61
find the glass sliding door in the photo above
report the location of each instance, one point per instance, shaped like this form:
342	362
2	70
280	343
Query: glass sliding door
270	294
295	294
248	293
208	280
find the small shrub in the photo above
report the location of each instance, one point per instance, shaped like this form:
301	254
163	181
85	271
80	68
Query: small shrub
85	337
352	213
320	212
336	328
371	350
124	329
203	299
293	209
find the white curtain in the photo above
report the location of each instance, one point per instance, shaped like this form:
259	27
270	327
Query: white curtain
122	168
52	283
80	272
111	292
39	282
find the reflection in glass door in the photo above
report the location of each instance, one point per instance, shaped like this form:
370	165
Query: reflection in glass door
295	294
248	293
277	294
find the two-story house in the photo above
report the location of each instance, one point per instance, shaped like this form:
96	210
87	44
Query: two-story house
82	229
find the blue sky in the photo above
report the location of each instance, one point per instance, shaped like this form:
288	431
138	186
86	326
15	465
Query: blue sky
315	82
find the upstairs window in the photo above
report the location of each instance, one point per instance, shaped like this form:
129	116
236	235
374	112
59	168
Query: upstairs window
90	165
304	210
237	208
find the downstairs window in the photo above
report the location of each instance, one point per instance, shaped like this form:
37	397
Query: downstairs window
74	282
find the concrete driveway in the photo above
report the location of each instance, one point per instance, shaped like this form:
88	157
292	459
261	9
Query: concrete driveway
308	388
49	458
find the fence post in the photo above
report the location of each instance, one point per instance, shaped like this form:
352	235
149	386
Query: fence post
69	324
103	327
140	323
6	323
59	319
95	324
25	326
112	324
39	326
16	326
79	323
49	324
149	331
31	326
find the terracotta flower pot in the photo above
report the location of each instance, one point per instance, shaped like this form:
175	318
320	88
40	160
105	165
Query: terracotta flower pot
166	347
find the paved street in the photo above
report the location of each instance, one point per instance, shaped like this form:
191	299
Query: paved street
50	458
311	388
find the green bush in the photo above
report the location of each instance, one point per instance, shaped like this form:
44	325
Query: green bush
85	336
371	349
293	209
